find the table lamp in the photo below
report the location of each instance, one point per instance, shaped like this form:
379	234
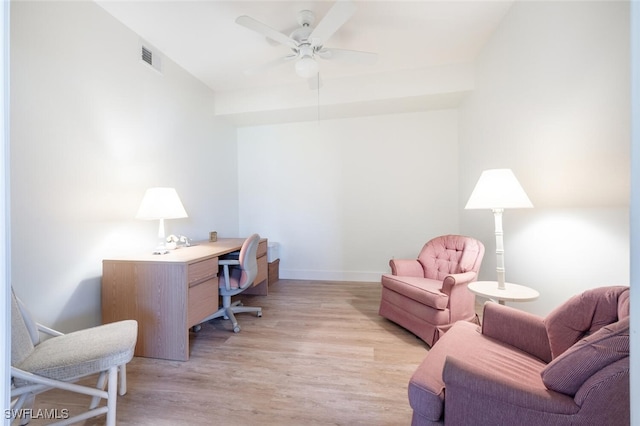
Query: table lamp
498	189
161	203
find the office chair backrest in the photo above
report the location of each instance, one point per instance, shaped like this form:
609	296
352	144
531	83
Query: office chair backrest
248	260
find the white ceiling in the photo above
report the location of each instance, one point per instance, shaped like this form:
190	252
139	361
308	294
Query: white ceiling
203	38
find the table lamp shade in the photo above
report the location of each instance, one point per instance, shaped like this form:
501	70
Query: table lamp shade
498	189
161	203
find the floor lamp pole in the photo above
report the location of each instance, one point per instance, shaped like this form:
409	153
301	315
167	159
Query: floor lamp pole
497	215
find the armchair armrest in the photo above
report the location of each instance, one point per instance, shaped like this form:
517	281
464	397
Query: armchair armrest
457	279
406	267
470	384
517	328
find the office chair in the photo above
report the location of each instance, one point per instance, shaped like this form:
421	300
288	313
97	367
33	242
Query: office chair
239	271
38	366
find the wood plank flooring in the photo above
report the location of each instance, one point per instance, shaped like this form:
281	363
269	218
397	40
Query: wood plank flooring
320	355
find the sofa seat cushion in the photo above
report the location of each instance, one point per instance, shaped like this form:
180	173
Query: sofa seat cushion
423	290
569	371
426	387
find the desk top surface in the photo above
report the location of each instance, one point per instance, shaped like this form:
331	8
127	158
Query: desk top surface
197	251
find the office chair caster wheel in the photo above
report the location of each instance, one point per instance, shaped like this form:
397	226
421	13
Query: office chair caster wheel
236	329
259	314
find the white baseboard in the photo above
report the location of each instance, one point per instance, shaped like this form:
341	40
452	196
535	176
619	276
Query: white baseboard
291	274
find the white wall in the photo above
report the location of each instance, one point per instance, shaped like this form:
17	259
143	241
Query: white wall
342	197
635	209
552	103
92	127
5	258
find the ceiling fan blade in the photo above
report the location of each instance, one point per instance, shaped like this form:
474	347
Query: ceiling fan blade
265	30
271	64
350	56
339	13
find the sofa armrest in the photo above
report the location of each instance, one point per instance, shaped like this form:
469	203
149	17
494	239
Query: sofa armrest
406	267
452	280
517	328
466	383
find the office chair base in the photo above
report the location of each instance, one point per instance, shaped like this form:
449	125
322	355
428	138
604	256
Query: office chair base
227	313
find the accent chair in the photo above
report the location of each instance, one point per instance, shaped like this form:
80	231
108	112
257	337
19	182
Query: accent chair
428	294
569	368
60	361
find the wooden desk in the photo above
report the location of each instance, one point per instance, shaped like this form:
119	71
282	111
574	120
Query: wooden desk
167	294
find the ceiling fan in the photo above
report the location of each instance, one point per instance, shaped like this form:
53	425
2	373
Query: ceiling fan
308	42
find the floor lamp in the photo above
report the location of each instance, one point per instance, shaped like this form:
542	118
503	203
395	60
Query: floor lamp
161	204
498	189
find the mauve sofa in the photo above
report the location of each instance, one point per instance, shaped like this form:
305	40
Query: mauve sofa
428	294
570	368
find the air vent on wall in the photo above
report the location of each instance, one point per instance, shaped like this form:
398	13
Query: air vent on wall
147	56
150	57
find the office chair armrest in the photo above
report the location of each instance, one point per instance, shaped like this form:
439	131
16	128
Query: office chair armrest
226	263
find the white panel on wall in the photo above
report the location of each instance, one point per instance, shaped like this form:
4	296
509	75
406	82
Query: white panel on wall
92	127
552	103
344	196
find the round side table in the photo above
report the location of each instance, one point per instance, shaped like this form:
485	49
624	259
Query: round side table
511	293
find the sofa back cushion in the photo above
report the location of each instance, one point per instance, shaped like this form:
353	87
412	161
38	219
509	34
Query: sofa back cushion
584	314
569	371
450	254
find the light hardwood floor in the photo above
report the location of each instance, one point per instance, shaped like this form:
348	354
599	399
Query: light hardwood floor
320	355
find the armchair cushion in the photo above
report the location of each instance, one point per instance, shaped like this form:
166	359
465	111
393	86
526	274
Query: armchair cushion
450	254
584	314
569	371
423	290
521	329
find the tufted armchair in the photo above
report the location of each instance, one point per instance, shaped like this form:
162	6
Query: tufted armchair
428	294
568	368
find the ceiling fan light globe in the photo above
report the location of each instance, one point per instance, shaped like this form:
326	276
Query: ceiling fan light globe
306	67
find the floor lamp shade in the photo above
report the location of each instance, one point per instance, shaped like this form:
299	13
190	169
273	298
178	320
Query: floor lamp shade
498	189
161	203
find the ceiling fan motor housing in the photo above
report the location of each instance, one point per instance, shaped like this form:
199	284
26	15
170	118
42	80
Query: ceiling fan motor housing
306	18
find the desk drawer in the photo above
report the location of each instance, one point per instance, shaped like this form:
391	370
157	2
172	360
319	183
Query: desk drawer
202	270
203	301
262	248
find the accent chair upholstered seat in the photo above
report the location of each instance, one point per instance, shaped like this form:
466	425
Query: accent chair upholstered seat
569	368
428	294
